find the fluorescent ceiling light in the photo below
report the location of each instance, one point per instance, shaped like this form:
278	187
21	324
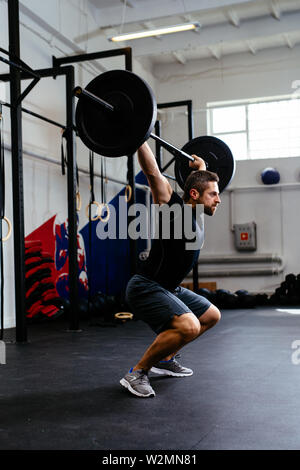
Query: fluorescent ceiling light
156	32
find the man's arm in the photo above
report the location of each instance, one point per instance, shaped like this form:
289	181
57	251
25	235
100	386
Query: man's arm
159	185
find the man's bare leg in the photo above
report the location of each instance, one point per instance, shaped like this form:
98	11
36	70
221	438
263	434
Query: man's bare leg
207	321
182	330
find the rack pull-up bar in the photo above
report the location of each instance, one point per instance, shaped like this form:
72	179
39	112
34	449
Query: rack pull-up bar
19	64
124	51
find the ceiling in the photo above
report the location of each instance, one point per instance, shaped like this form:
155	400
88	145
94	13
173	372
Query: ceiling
227	27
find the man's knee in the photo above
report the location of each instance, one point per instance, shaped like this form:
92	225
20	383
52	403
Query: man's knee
211	317
215	314
189	327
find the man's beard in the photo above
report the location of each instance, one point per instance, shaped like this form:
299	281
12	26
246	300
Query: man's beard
208	210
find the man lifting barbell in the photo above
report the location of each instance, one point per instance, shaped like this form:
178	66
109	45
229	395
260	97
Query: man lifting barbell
115	115
177	315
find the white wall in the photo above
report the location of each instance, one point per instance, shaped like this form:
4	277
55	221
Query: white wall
276	211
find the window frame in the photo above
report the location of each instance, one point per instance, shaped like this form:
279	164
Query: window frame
211	106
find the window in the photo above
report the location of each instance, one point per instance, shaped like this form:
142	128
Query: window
260	129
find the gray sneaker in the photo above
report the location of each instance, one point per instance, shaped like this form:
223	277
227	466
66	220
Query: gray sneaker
137	382
172	368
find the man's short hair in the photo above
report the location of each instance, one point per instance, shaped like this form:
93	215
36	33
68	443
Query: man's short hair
199	180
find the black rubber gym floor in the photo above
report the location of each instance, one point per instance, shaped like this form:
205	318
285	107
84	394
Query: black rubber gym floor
61	390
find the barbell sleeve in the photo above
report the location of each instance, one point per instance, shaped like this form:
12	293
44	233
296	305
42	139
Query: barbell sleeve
78	91
171	148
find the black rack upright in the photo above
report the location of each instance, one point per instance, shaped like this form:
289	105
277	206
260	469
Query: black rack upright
17	172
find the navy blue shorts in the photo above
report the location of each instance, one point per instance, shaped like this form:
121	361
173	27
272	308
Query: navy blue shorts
156	306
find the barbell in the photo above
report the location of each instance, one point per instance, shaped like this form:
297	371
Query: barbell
116	113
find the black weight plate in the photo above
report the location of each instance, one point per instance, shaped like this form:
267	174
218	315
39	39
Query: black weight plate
216	154
119	132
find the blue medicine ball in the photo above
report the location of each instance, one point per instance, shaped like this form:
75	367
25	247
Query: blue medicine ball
270	176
